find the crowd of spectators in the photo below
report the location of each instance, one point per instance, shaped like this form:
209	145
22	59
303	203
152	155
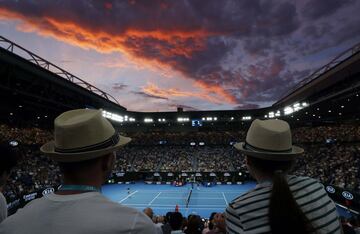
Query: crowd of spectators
33	172
336	162
27	136
320	134
175	222
220	158
185	138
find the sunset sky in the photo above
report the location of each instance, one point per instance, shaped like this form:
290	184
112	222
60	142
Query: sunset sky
155	55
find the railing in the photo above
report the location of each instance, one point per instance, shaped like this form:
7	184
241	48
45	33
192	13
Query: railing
37	60
334	62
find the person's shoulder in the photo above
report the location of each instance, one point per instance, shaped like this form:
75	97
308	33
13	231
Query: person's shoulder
302	182
2	199
140	223
259	190
294	178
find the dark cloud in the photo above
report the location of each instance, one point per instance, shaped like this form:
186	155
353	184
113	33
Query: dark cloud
257	46
315	9
349	31
146	95
238	51
316	31
247	106
119	86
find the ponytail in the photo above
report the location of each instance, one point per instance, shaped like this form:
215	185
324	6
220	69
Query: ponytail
285	215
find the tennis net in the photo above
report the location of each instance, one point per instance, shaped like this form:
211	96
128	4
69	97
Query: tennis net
188	198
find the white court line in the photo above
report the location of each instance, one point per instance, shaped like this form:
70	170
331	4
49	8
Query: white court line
225	199
128	196
183	209
158	205
184	190
192	198
154	199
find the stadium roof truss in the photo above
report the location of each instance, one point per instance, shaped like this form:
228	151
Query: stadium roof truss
43	63
304	83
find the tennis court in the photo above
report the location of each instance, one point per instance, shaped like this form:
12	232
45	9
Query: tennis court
163	198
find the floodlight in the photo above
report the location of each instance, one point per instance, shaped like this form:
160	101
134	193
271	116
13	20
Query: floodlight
148	120
288	110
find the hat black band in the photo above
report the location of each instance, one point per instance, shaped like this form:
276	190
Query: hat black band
254	148
113	140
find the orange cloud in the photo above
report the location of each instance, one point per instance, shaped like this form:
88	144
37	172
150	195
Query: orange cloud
149	48
169	42
152	89
102	41
218	90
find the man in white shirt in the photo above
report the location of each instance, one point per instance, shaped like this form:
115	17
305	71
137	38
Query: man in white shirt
85	145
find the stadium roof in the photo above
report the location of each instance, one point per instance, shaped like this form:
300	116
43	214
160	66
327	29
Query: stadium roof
34	87
343	66
34	91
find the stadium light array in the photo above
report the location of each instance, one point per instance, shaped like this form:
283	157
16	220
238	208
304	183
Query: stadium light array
273	114
116	117
148	120
288	110
161	120
209	118
246	118
294	108
180	119
113	116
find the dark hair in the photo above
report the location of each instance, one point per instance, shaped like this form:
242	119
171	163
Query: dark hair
195	225
9	155
176	221
167	217
285	215
211	225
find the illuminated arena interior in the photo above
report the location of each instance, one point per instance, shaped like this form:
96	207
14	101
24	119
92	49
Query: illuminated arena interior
171	149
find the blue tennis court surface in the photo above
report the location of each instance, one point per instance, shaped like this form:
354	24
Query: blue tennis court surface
164	198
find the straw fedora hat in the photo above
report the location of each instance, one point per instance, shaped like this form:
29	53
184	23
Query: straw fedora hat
81	135
269	140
